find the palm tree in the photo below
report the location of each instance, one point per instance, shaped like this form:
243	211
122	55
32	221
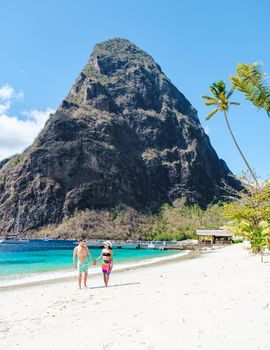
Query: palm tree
221	99
251	81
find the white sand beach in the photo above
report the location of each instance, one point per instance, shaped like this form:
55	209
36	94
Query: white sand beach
218	300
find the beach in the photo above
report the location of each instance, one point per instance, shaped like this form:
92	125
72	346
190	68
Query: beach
216	300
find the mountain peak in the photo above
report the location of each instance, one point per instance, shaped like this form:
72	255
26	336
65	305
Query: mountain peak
123	135
119	47
111	55
120	76
115	44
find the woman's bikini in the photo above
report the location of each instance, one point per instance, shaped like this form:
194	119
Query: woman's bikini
106	254
106	264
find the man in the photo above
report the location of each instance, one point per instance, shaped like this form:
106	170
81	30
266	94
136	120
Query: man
81	251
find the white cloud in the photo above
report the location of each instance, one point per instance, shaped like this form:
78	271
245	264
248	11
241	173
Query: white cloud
16	133
7	95
4	107
6	92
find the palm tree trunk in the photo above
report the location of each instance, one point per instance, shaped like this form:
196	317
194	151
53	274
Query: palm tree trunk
239	149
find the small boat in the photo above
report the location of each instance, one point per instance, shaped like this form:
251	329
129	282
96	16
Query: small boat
13	240
150	245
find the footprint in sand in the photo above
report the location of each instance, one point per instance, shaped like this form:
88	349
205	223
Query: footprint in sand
111	345
4	329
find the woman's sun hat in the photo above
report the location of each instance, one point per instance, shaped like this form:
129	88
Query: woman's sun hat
107	243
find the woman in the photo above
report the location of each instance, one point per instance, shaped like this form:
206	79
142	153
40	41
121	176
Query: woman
107	261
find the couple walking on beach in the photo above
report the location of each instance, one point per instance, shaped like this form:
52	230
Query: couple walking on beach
81	251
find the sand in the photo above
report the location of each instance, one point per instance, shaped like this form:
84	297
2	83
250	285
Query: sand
218	300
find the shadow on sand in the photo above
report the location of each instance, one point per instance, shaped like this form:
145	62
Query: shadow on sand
116	285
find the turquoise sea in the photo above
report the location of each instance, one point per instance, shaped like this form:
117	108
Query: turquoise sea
40	257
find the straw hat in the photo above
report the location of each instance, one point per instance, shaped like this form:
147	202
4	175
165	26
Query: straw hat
107	243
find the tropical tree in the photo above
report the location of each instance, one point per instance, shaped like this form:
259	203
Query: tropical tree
251	217
252	82
221	101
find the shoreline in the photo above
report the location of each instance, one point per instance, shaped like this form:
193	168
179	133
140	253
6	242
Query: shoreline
71	275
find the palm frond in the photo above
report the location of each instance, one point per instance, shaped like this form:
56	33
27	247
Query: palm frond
252	82
220	85
214	90
211	102
210	115
229	94
235	103
207	97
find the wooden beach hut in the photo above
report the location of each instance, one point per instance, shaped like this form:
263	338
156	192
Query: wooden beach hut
214	236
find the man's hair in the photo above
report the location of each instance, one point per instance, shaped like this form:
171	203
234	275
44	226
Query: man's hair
81	239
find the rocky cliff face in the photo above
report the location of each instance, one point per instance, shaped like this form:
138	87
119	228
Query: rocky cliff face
123	135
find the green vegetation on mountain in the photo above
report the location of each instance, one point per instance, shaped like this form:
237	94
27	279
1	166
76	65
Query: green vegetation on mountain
172	222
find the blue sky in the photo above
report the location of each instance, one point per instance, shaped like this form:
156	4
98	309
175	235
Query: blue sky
44	45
